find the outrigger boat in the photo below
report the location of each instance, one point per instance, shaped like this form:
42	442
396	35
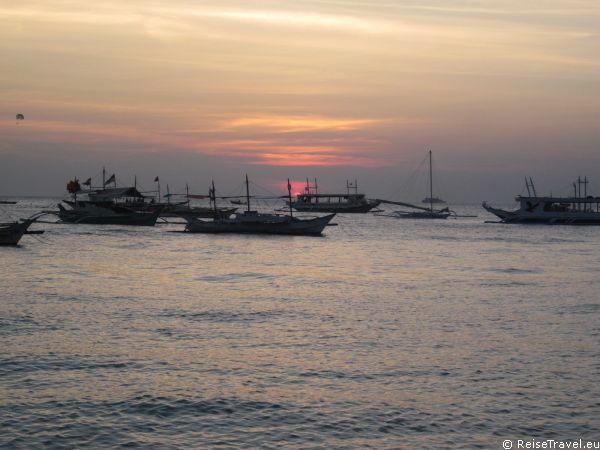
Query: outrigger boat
185	209
12	232
254	222
580	209
112	206
350	202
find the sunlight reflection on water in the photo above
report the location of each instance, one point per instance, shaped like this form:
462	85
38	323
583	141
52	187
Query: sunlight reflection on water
383	334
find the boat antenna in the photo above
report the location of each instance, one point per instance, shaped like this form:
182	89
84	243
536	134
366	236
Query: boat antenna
187	193
307	188
316	187
135	181
247	193
103	178
289	186
168	195
430	184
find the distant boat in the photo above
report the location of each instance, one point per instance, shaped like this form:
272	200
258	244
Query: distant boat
7	202
350	202
257	223
579	209
419	212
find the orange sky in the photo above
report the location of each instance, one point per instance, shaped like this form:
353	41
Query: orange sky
303	84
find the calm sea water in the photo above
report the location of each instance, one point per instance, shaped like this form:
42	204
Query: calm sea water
385	333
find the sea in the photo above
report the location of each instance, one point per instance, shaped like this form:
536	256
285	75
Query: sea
382	334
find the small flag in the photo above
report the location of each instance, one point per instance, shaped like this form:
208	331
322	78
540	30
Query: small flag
110	180
156	180
88	182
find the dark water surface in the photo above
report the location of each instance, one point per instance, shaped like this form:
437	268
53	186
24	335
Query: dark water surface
385	333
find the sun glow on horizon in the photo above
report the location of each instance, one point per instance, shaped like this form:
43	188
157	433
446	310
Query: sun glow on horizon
310	84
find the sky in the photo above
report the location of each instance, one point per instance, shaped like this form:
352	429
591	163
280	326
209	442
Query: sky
334	89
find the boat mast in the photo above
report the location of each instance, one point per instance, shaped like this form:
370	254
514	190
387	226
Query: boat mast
187	193
168	195
213	197
585	183
430	184
247	193
532	187
290	197
103	177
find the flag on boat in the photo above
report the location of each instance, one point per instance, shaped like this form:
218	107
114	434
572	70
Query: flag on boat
156	180
112	179
88	182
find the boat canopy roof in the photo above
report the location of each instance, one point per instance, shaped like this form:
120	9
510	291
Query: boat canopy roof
588	199
331	195
114	193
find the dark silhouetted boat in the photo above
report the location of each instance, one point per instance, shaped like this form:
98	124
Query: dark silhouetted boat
419	212
107	206
579	209
350	202
12	232
258	223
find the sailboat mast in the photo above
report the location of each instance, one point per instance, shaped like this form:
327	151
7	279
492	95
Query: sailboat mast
430	183
247	193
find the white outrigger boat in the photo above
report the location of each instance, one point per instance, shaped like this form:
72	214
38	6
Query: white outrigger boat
580	209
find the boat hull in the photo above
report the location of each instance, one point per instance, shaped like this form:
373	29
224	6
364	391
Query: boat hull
198	211
333	208
11	233
550	218
108	217
422	215
293	226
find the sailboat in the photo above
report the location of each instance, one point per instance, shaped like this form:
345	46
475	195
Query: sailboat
251	221
420	212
